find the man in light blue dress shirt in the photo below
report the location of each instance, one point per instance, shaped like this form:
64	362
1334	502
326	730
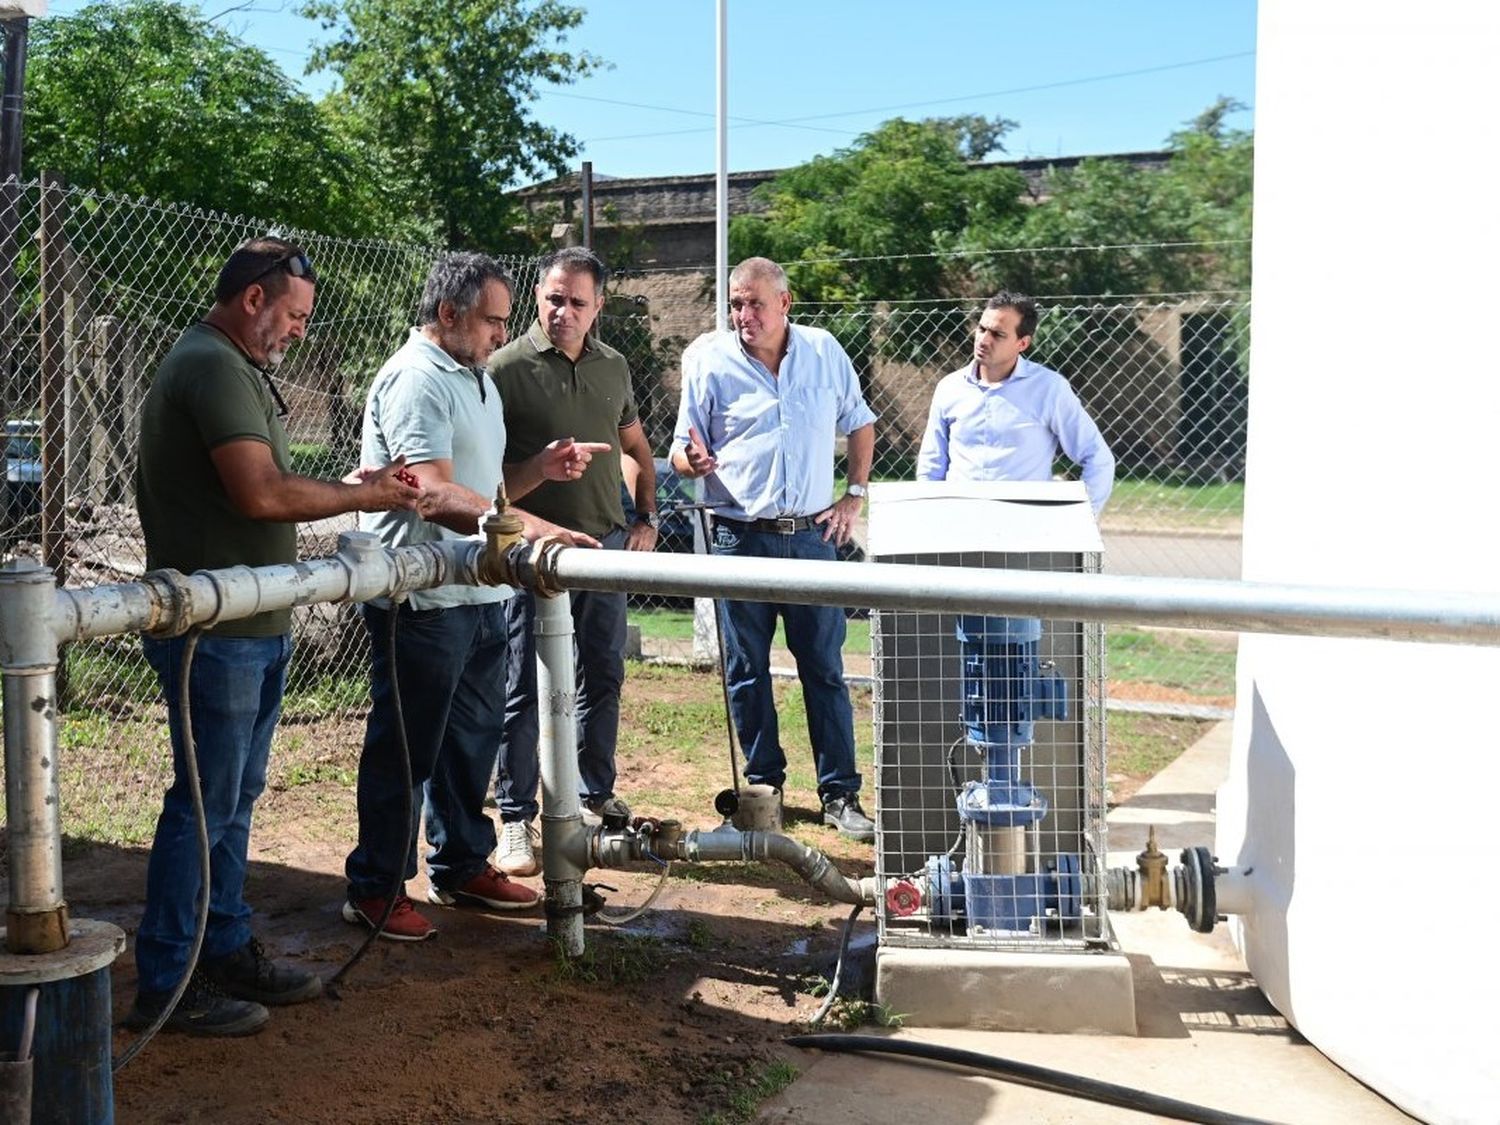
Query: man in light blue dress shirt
1004	418
761	407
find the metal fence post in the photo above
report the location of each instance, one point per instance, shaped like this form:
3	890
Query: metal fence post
54	377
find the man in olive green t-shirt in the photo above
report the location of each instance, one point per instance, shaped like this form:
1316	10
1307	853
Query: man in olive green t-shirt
557	380
214	490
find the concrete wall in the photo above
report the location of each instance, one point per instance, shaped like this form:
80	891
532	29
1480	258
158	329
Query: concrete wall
1365	774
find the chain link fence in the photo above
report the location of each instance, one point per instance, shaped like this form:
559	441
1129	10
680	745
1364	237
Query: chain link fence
1164	376
96	288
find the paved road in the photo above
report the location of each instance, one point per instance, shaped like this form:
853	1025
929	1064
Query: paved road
1171	556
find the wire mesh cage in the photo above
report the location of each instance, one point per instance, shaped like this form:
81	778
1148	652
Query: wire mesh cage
990	770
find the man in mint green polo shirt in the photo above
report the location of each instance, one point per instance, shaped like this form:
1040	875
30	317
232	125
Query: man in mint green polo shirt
214	490
554	380
433	406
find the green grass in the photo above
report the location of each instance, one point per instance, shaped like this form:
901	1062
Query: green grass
610	960
744	1102
311	459
1170	504
326	694
677	625
1200	665
113	668
1142	745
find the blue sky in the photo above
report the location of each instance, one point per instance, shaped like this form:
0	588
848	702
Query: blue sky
1080	76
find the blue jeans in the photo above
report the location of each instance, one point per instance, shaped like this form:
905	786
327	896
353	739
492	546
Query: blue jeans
450	666
235	696
599	647
815	635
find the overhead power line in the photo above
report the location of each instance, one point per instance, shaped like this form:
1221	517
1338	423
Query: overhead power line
800	122
1092	248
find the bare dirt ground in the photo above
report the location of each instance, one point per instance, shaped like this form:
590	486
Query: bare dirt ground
675	1018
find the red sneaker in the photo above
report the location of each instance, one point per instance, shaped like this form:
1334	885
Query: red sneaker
488	888
404	924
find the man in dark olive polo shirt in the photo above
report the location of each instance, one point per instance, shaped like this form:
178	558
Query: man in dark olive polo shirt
557	380
214	489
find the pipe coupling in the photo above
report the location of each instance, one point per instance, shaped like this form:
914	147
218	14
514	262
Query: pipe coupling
538	569
171	602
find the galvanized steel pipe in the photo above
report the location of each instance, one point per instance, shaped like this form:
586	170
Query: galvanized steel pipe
362	569
729	844
1189	603
37	917
35	617
562	818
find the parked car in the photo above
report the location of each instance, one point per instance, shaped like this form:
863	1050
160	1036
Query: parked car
23	470
675	534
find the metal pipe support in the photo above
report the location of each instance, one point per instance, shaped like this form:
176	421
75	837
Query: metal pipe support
36	920
562	817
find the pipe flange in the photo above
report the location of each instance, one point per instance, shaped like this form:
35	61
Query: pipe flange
1200	905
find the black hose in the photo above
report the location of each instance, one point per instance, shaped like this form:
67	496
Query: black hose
195	787
1024	1074
399	882
838	967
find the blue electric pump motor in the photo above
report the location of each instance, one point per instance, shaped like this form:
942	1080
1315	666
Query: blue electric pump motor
1006	688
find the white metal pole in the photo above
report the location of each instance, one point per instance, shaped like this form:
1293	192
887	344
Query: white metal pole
721	183
704	648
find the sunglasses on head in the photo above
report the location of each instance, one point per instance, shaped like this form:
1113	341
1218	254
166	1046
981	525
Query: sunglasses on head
295	262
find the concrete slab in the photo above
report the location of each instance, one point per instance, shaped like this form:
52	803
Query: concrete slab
995	990
1205	1033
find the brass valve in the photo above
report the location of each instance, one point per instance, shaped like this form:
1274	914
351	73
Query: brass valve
502	530
1152	863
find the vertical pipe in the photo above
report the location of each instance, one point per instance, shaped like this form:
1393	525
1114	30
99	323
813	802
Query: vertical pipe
11	104
12	107
37	916
54	377
561	816
587	186
721	181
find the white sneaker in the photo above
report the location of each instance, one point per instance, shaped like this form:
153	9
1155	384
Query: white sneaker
514	855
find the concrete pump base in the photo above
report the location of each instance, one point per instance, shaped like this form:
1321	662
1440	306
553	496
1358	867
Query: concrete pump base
989	990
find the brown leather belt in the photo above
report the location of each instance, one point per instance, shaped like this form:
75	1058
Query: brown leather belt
780	525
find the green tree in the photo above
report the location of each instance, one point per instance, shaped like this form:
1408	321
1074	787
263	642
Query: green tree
440	89
875	221
146	98
872	221
1107	228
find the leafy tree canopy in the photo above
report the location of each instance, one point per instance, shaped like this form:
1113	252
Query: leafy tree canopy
1140	217
905	213
867	220
146	98
440	91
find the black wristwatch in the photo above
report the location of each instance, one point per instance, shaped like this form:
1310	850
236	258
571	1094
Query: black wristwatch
651	518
